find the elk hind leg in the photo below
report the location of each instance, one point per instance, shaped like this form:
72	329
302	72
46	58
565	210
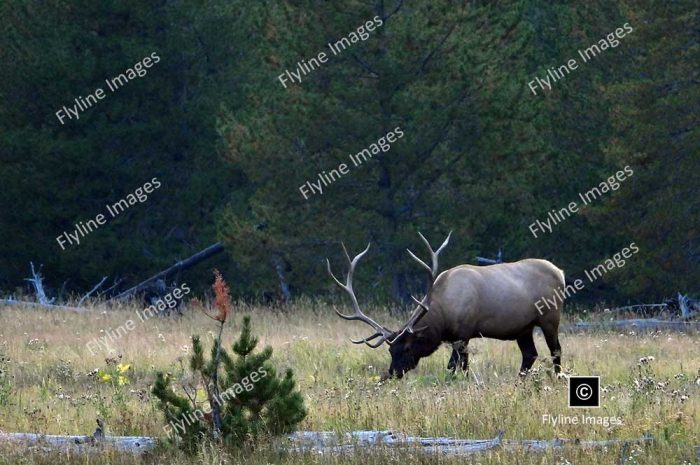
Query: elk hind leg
527	347
551	336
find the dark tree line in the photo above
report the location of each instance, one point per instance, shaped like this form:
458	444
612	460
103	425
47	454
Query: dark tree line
481	155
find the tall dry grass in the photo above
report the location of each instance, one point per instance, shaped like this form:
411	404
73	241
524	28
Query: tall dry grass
54	385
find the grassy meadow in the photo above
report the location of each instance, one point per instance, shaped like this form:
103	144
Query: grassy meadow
50	384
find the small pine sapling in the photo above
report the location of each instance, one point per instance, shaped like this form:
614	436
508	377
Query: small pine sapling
245	399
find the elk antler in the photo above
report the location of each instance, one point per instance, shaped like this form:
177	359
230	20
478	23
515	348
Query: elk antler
380	331
422	308
433	256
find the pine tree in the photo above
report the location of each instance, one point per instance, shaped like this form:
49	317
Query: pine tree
245	398
160	125
176	408
465	163
655	114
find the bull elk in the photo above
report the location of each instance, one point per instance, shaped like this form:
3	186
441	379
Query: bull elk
466	302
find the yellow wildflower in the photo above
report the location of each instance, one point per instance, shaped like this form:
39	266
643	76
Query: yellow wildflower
123	368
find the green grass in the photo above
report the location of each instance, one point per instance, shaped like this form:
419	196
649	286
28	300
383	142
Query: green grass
48	387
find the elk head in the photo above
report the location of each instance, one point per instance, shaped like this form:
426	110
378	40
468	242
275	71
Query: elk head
406	345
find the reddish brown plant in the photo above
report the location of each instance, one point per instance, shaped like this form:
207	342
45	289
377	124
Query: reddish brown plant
222	298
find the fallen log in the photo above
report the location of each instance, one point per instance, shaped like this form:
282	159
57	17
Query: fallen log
80	444
22	303
179	266
686	307
637	324
643	307
325	442
357	441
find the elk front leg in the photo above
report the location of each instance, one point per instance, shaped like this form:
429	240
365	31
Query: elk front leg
459	355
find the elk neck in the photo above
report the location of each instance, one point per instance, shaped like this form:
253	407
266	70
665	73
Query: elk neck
427	340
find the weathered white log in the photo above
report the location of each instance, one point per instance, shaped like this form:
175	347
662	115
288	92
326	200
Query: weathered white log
688	307
21	303
326	442
83	444
638	324
632	307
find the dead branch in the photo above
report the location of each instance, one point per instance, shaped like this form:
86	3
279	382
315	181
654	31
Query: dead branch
490	261
80	302
117	282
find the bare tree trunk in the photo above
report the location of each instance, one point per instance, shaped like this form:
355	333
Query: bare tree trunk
215	402
38	282
399	288
284	286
